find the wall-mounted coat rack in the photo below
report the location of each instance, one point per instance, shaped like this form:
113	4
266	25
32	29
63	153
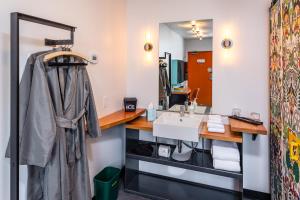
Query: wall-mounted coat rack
14	84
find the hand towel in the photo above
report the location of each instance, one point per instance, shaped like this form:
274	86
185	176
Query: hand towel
215	121
216	130
214	125
214	117
222	150
227	165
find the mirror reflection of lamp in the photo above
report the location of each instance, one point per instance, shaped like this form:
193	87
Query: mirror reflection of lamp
200	35
193	26
194	29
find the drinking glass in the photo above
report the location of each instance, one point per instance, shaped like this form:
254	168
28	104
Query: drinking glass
236	112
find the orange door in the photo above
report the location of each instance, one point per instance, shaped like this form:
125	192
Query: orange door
200	75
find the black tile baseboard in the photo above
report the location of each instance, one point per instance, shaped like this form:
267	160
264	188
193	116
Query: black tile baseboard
251	194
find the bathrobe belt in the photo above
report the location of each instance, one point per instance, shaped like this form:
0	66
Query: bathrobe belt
73	141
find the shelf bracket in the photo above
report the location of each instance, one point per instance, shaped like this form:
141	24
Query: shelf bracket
254	136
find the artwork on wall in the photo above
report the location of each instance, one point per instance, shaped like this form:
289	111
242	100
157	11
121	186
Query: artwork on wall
285	98
275	101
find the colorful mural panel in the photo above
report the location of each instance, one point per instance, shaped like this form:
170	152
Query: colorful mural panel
285	99
276	76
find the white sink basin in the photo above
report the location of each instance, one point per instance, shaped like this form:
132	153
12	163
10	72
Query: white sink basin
171	125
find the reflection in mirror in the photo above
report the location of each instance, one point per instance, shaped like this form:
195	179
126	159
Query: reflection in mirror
185	65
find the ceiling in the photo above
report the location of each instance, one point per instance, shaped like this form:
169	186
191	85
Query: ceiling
185	28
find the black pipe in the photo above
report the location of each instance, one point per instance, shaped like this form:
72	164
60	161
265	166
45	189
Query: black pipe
14	108
179	146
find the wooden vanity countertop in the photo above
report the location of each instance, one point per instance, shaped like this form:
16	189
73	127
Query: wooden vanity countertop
243	127
185	91
119	117
233	131
141	123
229	135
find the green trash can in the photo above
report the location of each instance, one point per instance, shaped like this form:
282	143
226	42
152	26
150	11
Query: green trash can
106	184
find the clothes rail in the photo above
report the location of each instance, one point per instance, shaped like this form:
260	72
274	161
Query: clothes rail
14	84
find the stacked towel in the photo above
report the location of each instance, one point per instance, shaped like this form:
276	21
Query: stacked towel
226	156
215	119
225	150
227	165
215	124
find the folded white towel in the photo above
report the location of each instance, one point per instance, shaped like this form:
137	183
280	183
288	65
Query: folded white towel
227	165
214	117
215	121
214	125
222	150
216	130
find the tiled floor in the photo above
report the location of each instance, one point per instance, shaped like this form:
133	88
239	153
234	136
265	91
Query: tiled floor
127	196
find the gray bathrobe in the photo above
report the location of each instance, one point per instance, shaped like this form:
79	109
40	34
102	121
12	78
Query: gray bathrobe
58	104
164	86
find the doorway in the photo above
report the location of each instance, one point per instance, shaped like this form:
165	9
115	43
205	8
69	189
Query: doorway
200	75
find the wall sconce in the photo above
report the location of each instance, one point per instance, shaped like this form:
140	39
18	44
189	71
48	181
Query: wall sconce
148	45
227	43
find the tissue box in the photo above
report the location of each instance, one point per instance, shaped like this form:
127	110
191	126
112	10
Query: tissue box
130	104
164	151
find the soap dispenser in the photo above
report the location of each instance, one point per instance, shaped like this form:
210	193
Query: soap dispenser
151	112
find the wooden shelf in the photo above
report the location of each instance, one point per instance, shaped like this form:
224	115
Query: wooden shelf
243	127
119	117
141	123
153	186
228	136
201	160
186	91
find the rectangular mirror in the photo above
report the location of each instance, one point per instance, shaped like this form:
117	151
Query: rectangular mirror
185	65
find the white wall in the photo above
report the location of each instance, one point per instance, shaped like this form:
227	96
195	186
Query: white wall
240	74
171	42
101	26
197	45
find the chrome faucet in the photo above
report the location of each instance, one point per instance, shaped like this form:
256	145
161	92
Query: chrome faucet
182	110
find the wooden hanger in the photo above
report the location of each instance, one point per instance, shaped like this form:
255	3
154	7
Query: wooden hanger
56	54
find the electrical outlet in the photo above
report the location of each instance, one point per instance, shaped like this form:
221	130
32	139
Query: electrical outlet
94	58
104	102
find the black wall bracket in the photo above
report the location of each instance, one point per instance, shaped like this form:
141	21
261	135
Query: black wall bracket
49	42
14	84
254	136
